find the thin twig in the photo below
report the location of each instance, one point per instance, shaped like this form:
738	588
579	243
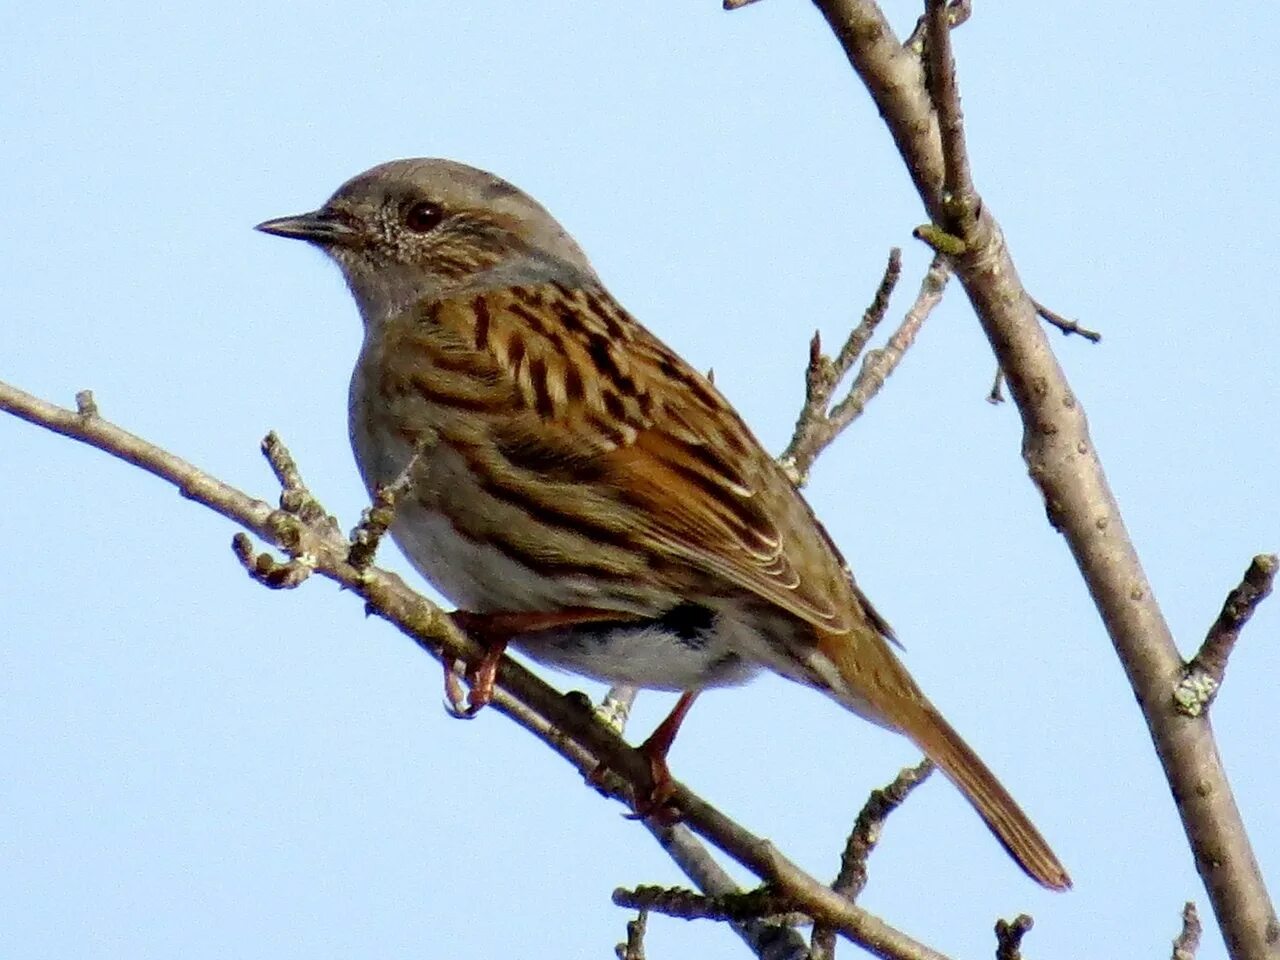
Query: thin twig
871	317
879	364
378	516
685	904
633	949
295	497
817	427
267	570
814	431
768	940
1187	942
958	12
959	197
1067	326
852	878
1204	673
996	394
1009	934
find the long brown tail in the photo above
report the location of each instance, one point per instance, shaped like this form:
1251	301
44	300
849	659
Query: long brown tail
1013	828
877	685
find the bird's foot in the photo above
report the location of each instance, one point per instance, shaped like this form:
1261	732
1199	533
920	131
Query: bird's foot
494	631
482	674
657	802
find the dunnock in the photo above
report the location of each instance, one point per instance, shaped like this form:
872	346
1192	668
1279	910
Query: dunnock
579	490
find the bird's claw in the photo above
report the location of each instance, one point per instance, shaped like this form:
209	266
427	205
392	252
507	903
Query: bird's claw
656	803
480	679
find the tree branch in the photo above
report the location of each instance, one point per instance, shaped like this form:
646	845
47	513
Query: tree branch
1203	674
852	878
307	534
1009	934
633	949
768	940
820	423
1061	459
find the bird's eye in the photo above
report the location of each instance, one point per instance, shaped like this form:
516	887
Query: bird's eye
423	216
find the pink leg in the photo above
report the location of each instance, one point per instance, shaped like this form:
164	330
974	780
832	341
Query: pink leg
494	631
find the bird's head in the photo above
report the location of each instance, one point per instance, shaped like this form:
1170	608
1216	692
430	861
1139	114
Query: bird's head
410	230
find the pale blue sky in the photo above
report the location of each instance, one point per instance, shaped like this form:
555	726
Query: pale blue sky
193	766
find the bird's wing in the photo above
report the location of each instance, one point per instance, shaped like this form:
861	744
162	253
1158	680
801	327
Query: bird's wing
581	402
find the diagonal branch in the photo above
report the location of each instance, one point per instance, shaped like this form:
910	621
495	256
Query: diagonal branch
303	530
1062	460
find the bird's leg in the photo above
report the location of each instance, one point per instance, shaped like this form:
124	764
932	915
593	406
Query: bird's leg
655	749
656	803
494	631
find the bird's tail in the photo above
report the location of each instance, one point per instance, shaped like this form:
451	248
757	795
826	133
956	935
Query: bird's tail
885	690
1013	828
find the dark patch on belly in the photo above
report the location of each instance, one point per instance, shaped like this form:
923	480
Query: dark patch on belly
689	622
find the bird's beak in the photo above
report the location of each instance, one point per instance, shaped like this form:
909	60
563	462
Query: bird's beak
325	228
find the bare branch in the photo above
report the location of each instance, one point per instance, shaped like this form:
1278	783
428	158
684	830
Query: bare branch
766	939
378	517
266	569
959	197
1009	934
816	428
295	497
633	949
871	317
559	721
813	431
878	364
687	905
1187	942
852	877
1061	459
1203	674
1067	327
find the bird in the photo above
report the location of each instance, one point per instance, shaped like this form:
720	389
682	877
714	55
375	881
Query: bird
580	491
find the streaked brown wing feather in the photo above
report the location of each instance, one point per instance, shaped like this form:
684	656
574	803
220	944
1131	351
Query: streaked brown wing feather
583	395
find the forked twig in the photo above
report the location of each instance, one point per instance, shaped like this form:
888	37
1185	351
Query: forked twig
1009	934
852	878
820	422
